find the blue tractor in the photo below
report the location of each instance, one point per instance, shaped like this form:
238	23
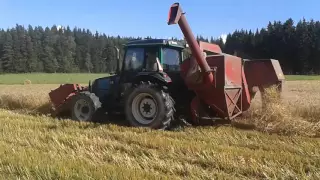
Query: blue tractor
141	88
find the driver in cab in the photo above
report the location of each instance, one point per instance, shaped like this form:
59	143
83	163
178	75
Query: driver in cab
152	61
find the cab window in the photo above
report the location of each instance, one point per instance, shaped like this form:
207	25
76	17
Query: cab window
171	59
134	59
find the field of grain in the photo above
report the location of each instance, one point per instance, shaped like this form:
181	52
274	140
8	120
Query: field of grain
282	142
84	78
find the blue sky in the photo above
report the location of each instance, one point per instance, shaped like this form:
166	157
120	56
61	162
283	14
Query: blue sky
148	18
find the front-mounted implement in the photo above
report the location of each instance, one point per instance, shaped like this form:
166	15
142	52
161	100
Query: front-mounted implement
155	86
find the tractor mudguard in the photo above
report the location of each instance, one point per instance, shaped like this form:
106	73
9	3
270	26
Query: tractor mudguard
160	78
103	87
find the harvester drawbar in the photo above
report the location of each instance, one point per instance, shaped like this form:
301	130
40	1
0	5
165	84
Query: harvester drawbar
155	86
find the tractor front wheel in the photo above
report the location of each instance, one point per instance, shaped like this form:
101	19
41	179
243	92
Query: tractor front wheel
149	106
84	105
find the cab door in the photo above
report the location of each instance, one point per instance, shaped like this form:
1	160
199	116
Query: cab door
171	59
133	64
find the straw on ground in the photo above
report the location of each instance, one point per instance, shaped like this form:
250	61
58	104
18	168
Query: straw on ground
40	147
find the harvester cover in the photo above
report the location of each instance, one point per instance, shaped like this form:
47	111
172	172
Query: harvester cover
223	95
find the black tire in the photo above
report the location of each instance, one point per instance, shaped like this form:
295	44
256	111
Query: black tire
162	101
91	106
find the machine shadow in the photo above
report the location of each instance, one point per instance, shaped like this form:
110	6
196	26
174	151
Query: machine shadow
99	119
177	125
114	119
217	123
118	119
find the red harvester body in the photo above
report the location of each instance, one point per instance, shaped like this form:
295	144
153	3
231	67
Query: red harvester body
223	83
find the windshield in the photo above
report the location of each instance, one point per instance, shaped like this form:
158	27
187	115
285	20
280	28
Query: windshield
134	59
171	59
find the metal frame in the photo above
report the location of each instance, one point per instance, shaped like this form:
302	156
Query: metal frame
237	97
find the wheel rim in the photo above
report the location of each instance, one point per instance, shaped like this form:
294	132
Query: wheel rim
82	110
144	108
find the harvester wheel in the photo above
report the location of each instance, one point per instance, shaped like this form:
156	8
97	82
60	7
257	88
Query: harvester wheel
84	105
148	105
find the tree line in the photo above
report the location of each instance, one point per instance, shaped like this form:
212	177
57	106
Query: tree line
51	50
297	47
66	50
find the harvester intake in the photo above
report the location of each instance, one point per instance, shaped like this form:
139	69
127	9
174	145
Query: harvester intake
176	16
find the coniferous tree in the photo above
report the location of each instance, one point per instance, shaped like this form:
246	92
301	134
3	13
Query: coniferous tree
7	54
31	63
303	39
47	54
88	62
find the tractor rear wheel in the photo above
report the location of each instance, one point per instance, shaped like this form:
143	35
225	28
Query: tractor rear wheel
84	105
148	105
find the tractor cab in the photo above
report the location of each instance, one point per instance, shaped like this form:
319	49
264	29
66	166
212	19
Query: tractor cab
148	59
152	55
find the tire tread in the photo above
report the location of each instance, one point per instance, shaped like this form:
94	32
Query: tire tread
166	99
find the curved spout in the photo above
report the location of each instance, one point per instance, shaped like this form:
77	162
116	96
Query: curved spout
177	16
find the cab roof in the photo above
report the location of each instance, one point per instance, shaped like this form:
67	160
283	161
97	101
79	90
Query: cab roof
155	42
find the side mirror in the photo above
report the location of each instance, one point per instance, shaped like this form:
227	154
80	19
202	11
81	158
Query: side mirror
118	53
118	60
115	48
117	56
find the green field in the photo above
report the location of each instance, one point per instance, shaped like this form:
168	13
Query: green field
302	77
84	78
54	78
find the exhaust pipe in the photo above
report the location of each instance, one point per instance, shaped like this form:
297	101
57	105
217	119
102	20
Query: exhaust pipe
176	16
